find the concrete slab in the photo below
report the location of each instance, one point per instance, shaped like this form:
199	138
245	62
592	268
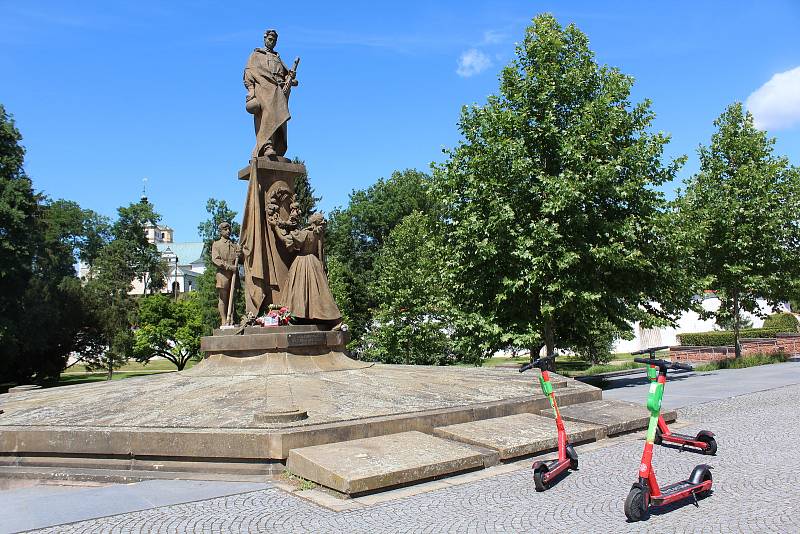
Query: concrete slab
363	465
41	507
198	421
518	435
616	416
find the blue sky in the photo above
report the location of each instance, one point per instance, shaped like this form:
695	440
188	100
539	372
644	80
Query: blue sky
108	93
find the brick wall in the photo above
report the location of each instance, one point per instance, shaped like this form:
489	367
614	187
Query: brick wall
789	343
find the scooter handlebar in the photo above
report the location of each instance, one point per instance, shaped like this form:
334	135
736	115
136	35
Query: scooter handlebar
538	362
651	350
663	364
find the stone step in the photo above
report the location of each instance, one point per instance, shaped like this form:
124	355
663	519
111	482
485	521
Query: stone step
519	435
615	416
368	464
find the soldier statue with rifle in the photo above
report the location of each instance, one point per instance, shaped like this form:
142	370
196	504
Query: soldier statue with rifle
269	82
225	256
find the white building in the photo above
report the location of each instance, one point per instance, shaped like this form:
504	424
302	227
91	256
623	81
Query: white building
184	261
688	323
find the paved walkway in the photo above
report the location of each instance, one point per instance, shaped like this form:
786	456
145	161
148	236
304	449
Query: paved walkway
690	388
756	476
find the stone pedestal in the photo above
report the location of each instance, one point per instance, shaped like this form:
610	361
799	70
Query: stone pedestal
274	353
278	350
275	170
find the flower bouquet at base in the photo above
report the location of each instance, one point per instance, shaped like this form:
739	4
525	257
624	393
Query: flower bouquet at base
276	316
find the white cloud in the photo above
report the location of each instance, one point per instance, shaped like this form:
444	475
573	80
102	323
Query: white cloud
472	62
776	104
493	37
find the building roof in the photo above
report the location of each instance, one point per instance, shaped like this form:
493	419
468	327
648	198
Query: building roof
188	252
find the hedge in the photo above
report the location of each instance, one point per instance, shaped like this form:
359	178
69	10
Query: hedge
785	322
724	338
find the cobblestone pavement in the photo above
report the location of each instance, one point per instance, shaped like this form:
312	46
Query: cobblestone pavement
755	489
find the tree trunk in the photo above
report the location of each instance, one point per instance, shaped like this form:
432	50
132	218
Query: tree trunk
110	370
550	343
736	345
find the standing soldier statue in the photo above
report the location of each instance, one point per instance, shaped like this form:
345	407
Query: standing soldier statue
225	255
268	82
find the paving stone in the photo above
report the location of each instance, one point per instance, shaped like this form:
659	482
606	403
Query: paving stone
518	435
368	464
616	416
589	500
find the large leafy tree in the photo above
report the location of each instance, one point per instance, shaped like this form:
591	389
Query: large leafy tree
553	220
109	333
42	306
744	207
356	234
19	207
169	329
412	322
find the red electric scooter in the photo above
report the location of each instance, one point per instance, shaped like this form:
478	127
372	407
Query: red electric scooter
703	442
646	491
545	472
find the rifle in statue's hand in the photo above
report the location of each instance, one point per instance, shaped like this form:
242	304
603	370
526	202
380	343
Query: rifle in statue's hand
290	77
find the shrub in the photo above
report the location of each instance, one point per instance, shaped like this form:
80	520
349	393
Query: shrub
724	337
751	360
784	322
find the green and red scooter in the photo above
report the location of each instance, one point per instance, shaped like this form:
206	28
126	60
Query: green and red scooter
544	473
646	491
703	442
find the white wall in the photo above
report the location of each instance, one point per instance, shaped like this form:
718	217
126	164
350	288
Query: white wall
688	323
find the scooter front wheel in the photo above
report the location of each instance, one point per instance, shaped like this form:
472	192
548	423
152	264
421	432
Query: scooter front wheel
637	504
538	478
711	449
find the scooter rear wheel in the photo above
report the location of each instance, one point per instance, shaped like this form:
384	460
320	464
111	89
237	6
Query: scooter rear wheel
636	505
711	450
706	493
538	479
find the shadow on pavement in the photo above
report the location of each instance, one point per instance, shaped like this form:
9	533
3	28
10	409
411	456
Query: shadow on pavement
625	382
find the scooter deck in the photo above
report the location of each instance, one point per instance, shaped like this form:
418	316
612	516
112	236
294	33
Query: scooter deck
675	435
677	491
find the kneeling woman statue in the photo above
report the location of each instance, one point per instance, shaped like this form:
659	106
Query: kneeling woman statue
308	296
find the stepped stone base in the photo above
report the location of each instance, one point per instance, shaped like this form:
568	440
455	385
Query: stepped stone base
238	414
615	416
364	465
518	435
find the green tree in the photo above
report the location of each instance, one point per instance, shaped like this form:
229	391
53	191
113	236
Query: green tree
411	323
743	205
218	212
42	313
553	218
168	328
111	307
355	235
19	206
304	194
129	232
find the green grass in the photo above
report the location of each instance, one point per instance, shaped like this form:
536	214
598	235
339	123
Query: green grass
494	362
85	378
153	365
745	361
574	366
298	482
78	374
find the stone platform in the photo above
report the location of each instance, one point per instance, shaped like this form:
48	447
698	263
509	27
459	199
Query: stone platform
270	398
217	416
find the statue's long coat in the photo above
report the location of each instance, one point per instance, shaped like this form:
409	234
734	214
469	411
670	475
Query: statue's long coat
265	74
